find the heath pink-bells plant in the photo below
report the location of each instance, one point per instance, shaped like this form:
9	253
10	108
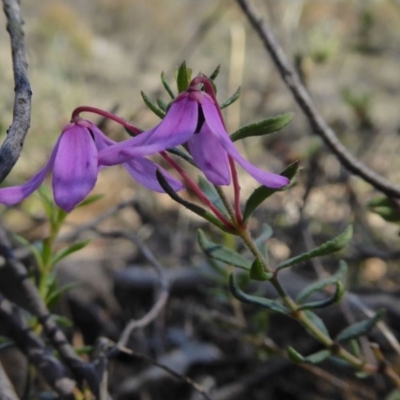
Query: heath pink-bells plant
194	117
74	161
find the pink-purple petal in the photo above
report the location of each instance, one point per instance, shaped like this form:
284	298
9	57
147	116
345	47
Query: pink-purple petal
210	156
15	194
144	172
75	167
176	128
213	120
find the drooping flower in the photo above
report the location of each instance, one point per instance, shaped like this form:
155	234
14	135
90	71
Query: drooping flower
74	161
194	117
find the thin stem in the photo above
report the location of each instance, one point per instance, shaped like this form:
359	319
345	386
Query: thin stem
301	316
193	185
305	102
236	191
170	160
106	114
226	202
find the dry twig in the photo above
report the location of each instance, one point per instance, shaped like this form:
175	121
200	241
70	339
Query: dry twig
163	296
317	121
12	146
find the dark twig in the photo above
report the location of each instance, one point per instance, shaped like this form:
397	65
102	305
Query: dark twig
16	286
163	296
168	370
7	391
12	146
318	123
14	327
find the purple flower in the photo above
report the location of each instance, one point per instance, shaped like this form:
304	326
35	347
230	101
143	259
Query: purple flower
194	117
74	161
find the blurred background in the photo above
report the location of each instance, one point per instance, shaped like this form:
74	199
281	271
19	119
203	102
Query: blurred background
103	53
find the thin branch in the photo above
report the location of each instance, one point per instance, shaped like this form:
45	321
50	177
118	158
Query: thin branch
317	121
163	296
15	285
14	327
7	391
12	146
168	370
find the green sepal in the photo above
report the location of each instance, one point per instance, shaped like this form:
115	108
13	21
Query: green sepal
190	206
209	190
166	85
317	321
222	253
183	77
162	105
73	248
90	200
215	73
258	273
271	305
153	107
332	246
231	99
334	299
270	125
360	328
319	285
262	193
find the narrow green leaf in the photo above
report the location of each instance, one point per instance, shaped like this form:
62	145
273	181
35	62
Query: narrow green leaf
222	253
271	305
162	104
209	190
318	357
317	321
263	192
231	99
262	128
32	248
294	355
334	299
182	153
63	321
190	206
360	328
83	350
261	241
160	113
54	296
47	201
215	73
90	200
336	244
183	77
257	272
319	285
389	214
73	248
166	85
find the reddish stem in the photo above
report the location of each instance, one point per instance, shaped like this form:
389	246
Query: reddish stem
106	114
193	185
236	186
